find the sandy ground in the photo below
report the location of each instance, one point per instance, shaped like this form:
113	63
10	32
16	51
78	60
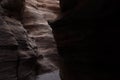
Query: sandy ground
50	76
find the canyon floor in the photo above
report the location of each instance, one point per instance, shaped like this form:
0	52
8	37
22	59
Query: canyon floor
50	76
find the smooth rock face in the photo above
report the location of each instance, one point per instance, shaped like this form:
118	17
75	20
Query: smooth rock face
87	39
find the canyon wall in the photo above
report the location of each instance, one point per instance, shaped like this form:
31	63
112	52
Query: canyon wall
35	20
27	45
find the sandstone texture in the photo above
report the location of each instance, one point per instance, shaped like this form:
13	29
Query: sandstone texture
27	46
18	53
35	20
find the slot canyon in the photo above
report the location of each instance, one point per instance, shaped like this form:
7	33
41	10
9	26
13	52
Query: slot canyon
59	39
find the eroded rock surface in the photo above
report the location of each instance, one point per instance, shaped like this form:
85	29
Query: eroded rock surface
26	38
36	15
18	53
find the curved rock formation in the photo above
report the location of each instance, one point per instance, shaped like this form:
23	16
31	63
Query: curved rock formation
19	54
35	17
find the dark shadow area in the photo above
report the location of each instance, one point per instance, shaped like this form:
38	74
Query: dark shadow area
87	39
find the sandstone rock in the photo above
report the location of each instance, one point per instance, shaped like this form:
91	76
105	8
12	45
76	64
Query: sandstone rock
49	9
8	64
36	15
17	56
13	5
8	38
18	53
20	56
13	8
